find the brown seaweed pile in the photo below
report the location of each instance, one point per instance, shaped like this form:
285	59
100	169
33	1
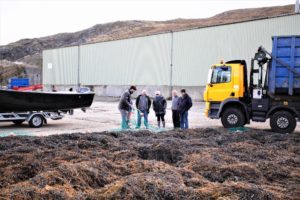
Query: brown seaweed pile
194	164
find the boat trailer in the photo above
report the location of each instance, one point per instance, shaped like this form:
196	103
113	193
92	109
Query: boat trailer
35	119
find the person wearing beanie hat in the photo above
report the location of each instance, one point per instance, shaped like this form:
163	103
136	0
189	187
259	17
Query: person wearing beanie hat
159	107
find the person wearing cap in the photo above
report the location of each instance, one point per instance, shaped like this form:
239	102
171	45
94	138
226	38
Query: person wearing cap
143	104
184	105
175	111
125	106
159	107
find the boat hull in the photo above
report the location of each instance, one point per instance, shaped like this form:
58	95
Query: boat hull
17	101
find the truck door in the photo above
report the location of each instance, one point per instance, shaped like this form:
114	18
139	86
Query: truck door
220	86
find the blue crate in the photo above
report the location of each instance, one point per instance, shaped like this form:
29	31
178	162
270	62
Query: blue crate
19	82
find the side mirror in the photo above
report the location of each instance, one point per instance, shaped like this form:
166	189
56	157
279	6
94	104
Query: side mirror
258	92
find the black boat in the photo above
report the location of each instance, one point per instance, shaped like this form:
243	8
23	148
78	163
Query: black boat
24	101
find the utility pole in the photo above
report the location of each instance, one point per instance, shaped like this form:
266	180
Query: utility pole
171	63
78	69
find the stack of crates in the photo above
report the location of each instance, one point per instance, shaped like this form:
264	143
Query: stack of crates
18	82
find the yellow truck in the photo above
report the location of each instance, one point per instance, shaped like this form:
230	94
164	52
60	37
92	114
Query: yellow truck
273	91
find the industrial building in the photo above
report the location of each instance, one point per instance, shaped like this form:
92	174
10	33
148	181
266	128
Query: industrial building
162	61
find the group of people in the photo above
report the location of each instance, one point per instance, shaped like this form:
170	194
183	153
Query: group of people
180	107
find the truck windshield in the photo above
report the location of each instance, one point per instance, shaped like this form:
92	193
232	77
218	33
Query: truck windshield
221	74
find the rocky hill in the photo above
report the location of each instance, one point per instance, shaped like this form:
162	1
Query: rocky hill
28	51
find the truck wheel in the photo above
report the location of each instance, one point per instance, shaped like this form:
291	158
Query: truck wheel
18	122
283	122
36	121
233	117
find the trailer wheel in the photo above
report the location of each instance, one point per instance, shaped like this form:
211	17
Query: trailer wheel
18	122
36	121
283	122
233	117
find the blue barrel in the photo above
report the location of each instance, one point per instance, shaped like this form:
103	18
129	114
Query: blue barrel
284	72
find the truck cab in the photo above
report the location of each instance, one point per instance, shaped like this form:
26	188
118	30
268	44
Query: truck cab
225	81
273	91
226	90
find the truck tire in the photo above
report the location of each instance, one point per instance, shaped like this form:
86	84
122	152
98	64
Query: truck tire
233	117
18	122
283	122
36	121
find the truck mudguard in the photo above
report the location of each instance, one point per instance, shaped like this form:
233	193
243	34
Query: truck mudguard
237	102
280	107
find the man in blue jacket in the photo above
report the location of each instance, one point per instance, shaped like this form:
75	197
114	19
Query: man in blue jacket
184	105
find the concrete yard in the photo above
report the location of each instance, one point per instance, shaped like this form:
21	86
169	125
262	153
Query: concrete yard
104	116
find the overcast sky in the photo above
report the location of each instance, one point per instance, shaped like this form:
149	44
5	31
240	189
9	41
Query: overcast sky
35	18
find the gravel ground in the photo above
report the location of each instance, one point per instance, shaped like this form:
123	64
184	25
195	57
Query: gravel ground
104	115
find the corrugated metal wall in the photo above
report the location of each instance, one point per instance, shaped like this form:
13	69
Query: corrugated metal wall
146	60
140	61
196	50
60	66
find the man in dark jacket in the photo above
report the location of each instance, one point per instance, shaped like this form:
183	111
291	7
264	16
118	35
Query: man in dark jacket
143	104
159	107
125	106
184	104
